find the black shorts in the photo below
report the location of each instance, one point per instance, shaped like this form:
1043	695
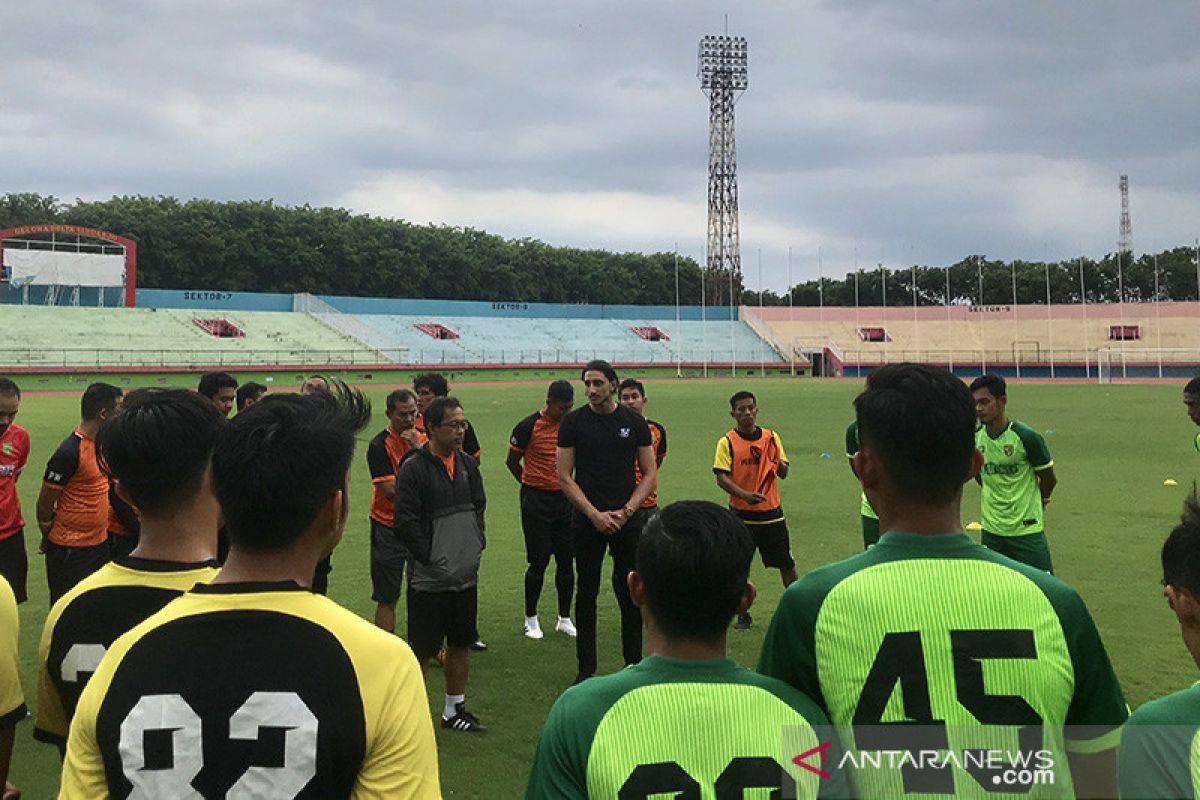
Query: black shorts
14	563
546	522
67	566
388	559
437	616
771	539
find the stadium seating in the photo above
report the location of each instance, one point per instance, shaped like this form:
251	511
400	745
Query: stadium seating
41	336
506	340
47	336
1031	335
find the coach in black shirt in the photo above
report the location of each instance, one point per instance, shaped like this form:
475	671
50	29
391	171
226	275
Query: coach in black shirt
598	445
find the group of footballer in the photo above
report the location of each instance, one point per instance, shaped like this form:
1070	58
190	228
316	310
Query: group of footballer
189	651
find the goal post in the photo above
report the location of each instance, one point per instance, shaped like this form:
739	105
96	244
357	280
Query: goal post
67	265
1128	363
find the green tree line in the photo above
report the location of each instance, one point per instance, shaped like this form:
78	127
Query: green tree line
977	280
259	246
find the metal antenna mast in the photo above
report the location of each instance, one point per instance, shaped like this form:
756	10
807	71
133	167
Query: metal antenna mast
1125	242
723	77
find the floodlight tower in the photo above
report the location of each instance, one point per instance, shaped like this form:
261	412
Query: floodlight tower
1125	242
723	77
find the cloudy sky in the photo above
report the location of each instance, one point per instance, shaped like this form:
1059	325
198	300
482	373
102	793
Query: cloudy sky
907	131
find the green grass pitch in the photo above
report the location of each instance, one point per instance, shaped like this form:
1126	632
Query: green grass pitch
1113	447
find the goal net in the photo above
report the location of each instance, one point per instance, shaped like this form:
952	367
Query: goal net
1122	363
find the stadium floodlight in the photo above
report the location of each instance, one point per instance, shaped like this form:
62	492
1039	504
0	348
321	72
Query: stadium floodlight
723	64
722	70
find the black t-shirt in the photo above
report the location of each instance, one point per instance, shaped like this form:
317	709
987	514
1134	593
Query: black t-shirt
605	452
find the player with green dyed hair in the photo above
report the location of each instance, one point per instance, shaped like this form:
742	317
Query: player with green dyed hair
1160	747
1017	478
1191	399
870	520
686	721
929	642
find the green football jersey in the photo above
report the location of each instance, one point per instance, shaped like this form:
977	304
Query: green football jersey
1160	748
1197	441
921	641
681	728
1011	502
852	448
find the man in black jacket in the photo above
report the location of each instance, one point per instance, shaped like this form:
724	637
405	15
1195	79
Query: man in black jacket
439	520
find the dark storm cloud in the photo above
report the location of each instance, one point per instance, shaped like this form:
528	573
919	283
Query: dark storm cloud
925	130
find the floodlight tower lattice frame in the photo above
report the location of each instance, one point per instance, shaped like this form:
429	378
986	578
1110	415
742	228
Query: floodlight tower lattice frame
723	74
1125	236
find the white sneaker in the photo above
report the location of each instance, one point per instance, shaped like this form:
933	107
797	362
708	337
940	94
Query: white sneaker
533	629
564	625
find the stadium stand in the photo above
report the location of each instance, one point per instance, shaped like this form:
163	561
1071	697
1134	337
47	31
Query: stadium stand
1033	336
534	340
48	337
62	337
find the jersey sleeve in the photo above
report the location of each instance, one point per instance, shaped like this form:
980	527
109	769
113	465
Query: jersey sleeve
568	431
52	724
522	433
12	698
851	439
1035	448
23	455
789	650
471	443
1155	759
642	433
560	762
661	452
378	462
1098	707
63	464
723	458
402	759
779	444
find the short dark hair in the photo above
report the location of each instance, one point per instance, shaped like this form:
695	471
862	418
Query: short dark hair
1181	550
739	397
213	382
248	393
599	365
1192	387
920	421
694	560
8	386
399	396
993	383
562	391
275	465
97	398
434	382
159	446
631	383
435	412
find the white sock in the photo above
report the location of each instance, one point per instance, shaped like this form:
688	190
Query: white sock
530	620
452	701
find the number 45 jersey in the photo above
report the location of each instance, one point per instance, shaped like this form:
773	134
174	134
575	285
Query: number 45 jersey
934	644
253	690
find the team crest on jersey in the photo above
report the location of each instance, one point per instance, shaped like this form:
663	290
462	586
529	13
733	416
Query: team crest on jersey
7	448
624	433
1008	449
